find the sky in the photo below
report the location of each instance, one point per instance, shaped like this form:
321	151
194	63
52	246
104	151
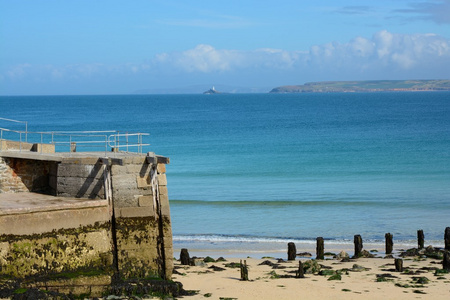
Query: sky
71	47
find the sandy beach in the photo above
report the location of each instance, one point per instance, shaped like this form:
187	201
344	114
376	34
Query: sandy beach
360	279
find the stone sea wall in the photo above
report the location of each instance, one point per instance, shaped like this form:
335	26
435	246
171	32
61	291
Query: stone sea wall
125	230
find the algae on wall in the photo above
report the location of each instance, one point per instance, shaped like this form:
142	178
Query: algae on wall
58	251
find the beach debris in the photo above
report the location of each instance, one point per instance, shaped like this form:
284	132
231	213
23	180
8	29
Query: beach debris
447	238
215	268
446	261
366	254
304	254
267	263
184	257
359	268
385	277
197	262
326	272
233	265
207	295
311	266
410	252
292	251
319	248
342	255
336	276
357	240
389	243
244	271
209	259
220	259
300	273
398	265
420	280
420	239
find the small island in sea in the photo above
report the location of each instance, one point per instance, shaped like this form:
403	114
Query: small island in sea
365	86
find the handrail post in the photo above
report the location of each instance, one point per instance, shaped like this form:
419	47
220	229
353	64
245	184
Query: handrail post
26	132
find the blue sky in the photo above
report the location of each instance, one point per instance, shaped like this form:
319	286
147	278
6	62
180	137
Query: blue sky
119	47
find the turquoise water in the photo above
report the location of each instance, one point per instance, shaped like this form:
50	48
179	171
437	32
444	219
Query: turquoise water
261	168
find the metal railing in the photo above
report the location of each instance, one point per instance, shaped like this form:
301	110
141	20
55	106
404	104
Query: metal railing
16	121
76	141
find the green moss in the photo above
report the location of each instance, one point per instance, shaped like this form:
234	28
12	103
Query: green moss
20	291
335	277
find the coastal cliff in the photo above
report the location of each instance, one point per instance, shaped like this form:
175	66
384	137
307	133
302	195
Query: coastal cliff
365	86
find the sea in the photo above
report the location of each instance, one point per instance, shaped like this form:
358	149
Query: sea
250	173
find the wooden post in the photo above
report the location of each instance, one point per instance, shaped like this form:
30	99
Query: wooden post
399	265
447	238
292	251
244	271
420	239
320	248
446	261
389	243
300	273
358	245
184	257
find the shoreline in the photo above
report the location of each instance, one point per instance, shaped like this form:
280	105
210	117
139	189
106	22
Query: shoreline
279	249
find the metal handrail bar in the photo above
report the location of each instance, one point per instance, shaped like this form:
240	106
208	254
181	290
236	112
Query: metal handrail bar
17	121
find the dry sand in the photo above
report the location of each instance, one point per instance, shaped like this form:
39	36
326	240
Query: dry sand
263	283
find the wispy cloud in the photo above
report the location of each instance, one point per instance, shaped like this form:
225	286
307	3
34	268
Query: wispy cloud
354	10
209	21
436	11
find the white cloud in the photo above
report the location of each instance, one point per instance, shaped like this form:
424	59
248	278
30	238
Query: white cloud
385	55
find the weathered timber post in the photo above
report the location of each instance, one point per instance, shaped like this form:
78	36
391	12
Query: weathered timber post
184	257
420	239
447	238
446	261
389	243
399	265
320	248
300	273
292	251
244	271
358	245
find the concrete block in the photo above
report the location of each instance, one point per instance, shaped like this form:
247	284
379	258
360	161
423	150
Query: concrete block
84	171
161	168
165	207
125	201
162	180
163	190
145	201
133	212
80	187
143	182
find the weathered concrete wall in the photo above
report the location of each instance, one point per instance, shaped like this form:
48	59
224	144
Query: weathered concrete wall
134	229
24	175
143	228
50	235
80	178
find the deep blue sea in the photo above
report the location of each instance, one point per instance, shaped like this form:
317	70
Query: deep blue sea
251	170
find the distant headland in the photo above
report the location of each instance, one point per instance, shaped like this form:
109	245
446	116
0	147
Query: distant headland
365	86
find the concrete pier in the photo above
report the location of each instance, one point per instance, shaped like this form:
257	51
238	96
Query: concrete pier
63	212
